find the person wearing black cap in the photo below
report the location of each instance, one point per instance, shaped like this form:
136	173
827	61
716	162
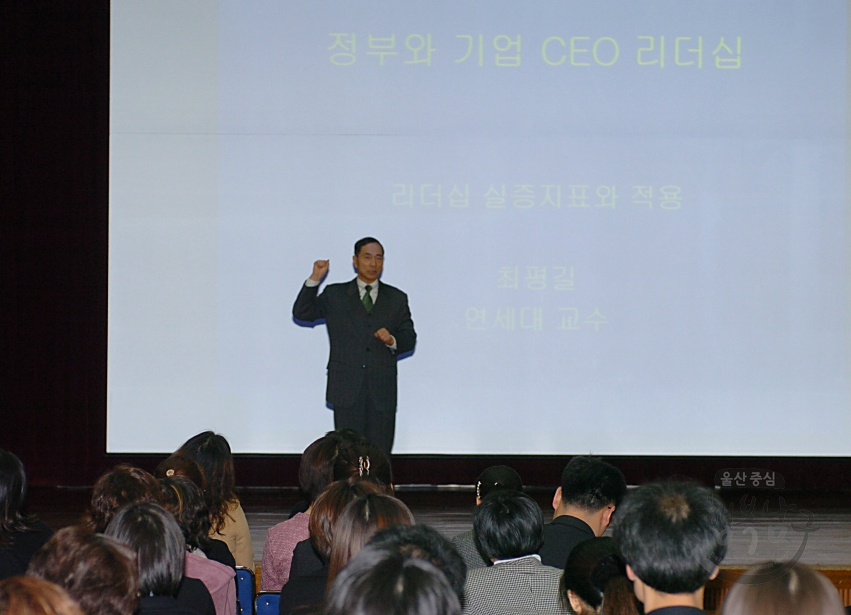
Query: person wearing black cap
492	479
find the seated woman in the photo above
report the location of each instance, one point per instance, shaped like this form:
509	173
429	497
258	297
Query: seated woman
153	534
32	596
98	572
20	534
314	474
595	581
186	504
782	589
307	586
358	522
124	484
227	519
177	466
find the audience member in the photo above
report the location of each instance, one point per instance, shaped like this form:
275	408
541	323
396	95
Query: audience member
423	542
383	581
314	474
309	578
590	491
32	596
364	461
21	535
176	465
672	536
227	519
595	581
508	529
153	534
782	589
123	485
98	572
359	522
492	479
186	504
183	499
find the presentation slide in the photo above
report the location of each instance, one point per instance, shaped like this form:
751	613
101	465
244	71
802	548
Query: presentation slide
621	225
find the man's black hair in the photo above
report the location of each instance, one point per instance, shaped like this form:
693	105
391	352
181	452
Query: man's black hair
360	243
672	535
508	524
591	484
426	543
382	581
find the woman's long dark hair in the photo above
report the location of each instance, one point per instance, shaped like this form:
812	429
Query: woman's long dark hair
212	453
13	493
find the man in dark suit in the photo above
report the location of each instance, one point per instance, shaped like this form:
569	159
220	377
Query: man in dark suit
672	536
369	326
590	491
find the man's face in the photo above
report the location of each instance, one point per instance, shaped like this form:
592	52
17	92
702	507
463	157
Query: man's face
369	262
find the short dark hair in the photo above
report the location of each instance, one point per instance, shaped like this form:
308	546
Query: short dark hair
495	478
672	535
381	581
508	524
212	453
13	494
590	483
184	500
156	538
423	542
783	589
123	485
360	243
97	571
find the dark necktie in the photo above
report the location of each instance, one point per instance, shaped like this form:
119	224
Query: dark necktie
367	298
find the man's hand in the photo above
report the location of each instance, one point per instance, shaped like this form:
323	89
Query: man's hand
384	335
320	270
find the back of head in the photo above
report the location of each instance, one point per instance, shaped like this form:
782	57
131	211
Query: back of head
211	452
156	538
495	478
364	461
123	485
359	522
382	581
508	524
591	484
34	596
423	542
672	535
316	469
13	493
782	589
178	465
327	510
184	500
596	576
97	571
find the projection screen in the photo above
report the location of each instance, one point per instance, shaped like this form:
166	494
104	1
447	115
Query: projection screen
621	225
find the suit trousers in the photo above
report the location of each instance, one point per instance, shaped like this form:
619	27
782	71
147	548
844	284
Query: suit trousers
368	417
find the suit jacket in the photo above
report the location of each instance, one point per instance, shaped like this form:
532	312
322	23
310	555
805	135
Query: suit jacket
520	587
467	548
560	536
356	355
